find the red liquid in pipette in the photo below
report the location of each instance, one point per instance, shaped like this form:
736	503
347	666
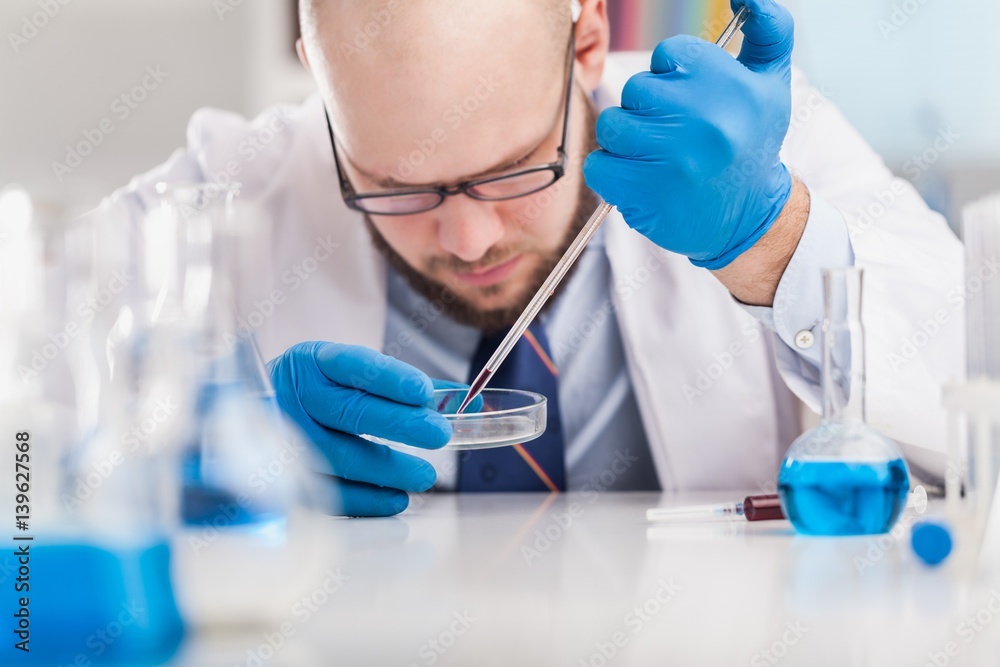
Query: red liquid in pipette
474	390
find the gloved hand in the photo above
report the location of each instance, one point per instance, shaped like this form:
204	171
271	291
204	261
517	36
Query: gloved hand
335	392
691	157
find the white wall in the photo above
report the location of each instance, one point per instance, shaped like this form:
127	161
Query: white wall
65	80
905	70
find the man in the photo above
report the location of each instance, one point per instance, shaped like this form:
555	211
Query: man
421	197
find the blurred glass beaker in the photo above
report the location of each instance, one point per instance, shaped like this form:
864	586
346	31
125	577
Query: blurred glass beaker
250	502
92	557
974	405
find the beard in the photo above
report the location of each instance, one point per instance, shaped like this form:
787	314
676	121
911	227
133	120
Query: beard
496	320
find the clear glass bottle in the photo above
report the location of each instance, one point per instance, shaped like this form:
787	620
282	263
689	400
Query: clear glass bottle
250	502
234	435
843	477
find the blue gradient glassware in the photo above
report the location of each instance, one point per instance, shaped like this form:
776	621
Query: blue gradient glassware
843	477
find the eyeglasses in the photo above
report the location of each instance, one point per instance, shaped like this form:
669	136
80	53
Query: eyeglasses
410	201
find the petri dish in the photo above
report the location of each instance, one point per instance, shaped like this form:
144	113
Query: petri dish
497	418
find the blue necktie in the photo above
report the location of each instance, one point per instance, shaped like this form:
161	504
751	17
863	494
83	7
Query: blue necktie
534	466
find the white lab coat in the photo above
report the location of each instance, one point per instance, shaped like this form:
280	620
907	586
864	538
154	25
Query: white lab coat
678	322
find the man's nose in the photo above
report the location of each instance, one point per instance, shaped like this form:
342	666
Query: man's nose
467	228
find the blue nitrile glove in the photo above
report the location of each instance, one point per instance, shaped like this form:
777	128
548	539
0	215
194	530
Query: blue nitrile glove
335	392
691	157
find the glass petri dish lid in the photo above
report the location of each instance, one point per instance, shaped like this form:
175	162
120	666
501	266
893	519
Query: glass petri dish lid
497	418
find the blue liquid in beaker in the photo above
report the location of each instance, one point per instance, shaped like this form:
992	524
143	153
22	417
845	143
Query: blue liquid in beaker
90	605
843	497
223	411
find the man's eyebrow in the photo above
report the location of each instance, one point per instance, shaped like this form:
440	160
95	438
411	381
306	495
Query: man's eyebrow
390	183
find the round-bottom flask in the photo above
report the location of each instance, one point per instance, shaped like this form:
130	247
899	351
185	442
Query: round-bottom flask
843	477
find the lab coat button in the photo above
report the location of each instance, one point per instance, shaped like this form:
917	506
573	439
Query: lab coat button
804	339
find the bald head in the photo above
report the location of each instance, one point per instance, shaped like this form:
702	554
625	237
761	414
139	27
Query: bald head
427	65
556	14
421	33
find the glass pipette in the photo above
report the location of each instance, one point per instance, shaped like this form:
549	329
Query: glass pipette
754	508
568	259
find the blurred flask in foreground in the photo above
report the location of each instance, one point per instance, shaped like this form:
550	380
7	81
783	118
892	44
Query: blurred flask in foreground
974	433
973	402
87	555
248	544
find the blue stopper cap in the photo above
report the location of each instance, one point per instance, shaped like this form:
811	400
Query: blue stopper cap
931	541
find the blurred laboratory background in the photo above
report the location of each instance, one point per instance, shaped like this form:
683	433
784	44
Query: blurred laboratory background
917	78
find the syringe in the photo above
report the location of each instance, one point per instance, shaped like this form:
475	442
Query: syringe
754	508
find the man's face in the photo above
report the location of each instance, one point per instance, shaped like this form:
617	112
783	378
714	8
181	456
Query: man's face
416	112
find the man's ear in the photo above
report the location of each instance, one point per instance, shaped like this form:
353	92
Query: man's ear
303	58
593	39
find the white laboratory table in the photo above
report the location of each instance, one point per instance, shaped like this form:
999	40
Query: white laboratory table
583	579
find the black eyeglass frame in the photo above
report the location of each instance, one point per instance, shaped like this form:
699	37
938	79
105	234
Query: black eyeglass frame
354	200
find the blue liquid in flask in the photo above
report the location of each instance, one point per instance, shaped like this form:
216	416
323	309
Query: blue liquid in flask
232	422
835	497
95	605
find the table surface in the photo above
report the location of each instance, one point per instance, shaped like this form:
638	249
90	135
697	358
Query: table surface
584	579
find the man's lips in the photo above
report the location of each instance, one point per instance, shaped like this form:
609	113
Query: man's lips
491	275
